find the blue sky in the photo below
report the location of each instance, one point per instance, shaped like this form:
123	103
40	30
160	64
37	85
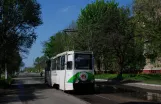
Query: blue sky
57	15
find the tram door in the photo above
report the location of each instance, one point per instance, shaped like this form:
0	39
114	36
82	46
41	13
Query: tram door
62	72
69	71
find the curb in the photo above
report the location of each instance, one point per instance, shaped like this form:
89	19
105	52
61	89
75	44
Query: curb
101	80
143	84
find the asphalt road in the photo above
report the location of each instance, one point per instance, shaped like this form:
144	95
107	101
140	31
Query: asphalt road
29	88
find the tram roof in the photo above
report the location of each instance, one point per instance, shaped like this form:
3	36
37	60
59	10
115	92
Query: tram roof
71	52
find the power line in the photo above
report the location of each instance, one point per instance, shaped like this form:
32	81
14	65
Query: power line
70	30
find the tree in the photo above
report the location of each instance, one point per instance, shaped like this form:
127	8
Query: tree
55	45
18	21
89	24
14	64
29	69
40	63
147	15
61	41
108	31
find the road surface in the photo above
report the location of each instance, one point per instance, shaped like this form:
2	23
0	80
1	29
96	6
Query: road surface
29	88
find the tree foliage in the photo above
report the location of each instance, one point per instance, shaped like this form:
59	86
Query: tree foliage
117	35
19	18
108	30
40	63
61	41
148	19
55	45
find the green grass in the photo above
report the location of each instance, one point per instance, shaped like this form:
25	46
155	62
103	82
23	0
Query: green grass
146	78
5	83
105	76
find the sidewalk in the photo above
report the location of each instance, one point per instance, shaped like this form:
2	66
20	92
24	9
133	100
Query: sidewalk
145	86
136	84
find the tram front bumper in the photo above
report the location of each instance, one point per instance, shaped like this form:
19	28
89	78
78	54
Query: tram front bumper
84	86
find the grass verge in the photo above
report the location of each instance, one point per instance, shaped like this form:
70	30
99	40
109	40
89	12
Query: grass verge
146	78
5	83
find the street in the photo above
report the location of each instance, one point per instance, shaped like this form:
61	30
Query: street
29	88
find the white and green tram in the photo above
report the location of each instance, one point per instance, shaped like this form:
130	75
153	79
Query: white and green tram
71	70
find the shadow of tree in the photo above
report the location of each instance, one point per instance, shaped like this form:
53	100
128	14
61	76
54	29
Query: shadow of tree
23	92
118	88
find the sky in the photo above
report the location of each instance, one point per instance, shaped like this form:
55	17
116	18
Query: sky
56	16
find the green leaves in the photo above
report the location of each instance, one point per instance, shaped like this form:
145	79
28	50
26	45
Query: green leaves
148	20
56	44
19	18
61	41
115	34
39	64
104	28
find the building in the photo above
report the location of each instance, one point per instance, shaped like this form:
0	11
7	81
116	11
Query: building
152	68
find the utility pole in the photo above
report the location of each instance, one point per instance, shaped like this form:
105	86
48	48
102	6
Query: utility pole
69	30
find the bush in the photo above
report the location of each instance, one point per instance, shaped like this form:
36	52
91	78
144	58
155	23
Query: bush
5	83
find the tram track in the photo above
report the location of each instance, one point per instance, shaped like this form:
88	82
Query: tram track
109	97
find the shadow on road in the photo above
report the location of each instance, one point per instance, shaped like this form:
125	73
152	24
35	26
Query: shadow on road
118	89
20	91
139	103
24	90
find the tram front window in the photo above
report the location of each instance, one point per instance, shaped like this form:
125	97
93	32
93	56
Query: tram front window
83	61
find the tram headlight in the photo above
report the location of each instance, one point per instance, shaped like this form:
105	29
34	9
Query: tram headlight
77	81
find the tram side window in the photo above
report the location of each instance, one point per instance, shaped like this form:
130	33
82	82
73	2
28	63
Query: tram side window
70	62
54	64
62	62
58	63
69	65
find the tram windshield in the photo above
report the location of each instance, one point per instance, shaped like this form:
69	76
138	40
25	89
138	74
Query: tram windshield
83	61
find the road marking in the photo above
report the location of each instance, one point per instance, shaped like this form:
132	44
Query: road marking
103	97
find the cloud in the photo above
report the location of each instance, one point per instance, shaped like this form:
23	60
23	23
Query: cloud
67	8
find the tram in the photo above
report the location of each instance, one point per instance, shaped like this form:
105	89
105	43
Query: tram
71	70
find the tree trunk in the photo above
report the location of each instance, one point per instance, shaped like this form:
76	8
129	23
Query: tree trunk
102	64
98	66
119	77
0	73
6	72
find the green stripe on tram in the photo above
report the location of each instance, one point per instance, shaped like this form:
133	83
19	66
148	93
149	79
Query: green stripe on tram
76	76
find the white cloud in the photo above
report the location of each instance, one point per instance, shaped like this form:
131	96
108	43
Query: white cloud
67	8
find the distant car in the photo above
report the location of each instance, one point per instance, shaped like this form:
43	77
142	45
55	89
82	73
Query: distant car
42	72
